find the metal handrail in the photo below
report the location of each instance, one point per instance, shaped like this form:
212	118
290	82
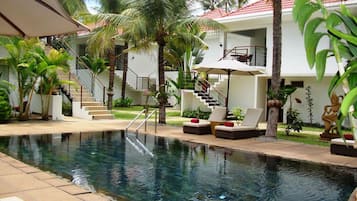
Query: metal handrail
247	48
146	119
132	121
211	89
78	57
82	64
139	148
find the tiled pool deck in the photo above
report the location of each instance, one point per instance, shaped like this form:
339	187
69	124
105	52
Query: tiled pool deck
31	184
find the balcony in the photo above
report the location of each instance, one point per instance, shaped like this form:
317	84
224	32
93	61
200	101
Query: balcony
251	55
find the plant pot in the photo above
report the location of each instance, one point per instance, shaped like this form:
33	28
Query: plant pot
274	103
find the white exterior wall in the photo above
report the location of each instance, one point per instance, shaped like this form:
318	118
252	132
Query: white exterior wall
319	95
241	92
294	60
143	63
189	102
215	48
55	108
234	40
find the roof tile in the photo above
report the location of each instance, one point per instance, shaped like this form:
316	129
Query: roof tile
264	5
216	13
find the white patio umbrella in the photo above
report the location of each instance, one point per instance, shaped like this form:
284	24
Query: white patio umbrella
228	66
36	18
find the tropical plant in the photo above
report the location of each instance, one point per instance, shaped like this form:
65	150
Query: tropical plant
49	64
273	113
67	108
282	94
148	22
238	113
103	40
75	8
310	103
183	54
96	65
126	102
21	60
340	28
293	121
118	6
196	114
228	5
5	107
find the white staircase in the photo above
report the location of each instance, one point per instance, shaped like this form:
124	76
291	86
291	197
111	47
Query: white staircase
89	108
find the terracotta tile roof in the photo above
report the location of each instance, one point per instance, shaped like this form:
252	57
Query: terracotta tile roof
93	26
264	5
213	14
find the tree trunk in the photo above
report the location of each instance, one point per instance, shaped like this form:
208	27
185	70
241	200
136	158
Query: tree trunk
125	70
273	113
111	78
45	99
161	71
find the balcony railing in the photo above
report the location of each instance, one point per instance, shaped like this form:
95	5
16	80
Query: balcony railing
251	55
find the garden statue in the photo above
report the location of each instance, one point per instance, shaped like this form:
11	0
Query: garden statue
329	118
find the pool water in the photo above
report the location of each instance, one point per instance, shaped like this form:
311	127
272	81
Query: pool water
148	168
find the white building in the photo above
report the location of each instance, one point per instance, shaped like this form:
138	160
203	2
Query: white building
249	30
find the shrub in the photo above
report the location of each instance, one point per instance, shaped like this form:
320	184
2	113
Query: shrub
5	108
293	121
190	114
196	114
126	102
238	113
67	109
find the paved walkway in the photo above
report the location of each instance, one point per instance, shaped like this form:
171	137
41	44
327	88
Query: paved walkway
31	184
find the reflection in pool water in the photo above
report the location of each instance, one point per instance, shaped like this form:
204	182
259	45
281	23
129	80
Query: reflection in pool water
154	168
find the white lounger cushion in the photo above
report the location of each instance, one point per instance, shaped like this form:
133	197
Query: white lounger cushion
341	142
235	128
218	114
200	124
252	117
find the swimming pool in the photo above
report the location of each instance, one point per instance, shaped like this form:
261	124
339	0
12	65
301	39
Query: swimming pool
149	168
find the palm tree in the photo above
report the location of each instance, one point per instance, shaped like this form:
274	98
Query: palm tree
158	22
117	6
96	65
48	65
228	5
273	113
21	60
74	8
103	42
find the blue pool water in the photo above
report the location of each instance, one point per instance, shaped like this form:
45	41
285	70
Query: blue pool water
148	168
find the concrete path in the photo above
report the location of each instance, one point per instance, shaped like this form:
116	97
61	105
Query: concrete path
31	184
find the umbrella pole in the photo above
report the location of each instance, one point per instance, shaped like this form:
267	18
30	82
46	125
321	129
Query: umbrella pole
229	78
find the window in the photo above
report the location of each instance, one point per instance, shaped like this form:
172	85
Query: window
82	51
119	57
297	84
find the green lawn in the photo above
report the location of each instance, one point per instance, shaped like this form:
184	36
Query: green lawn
309	135
304	138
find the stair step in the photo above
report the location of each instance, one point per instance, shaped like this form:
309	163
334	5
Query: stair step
211	100
78	99
96	112
91	104
90	108
103	116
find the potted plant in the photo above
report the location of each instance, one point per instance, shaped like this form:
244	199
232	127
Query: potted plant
278	99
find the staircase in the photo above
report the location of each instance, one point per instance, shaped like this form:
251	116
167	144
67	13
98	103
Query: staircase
211	96
95	109
209	100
